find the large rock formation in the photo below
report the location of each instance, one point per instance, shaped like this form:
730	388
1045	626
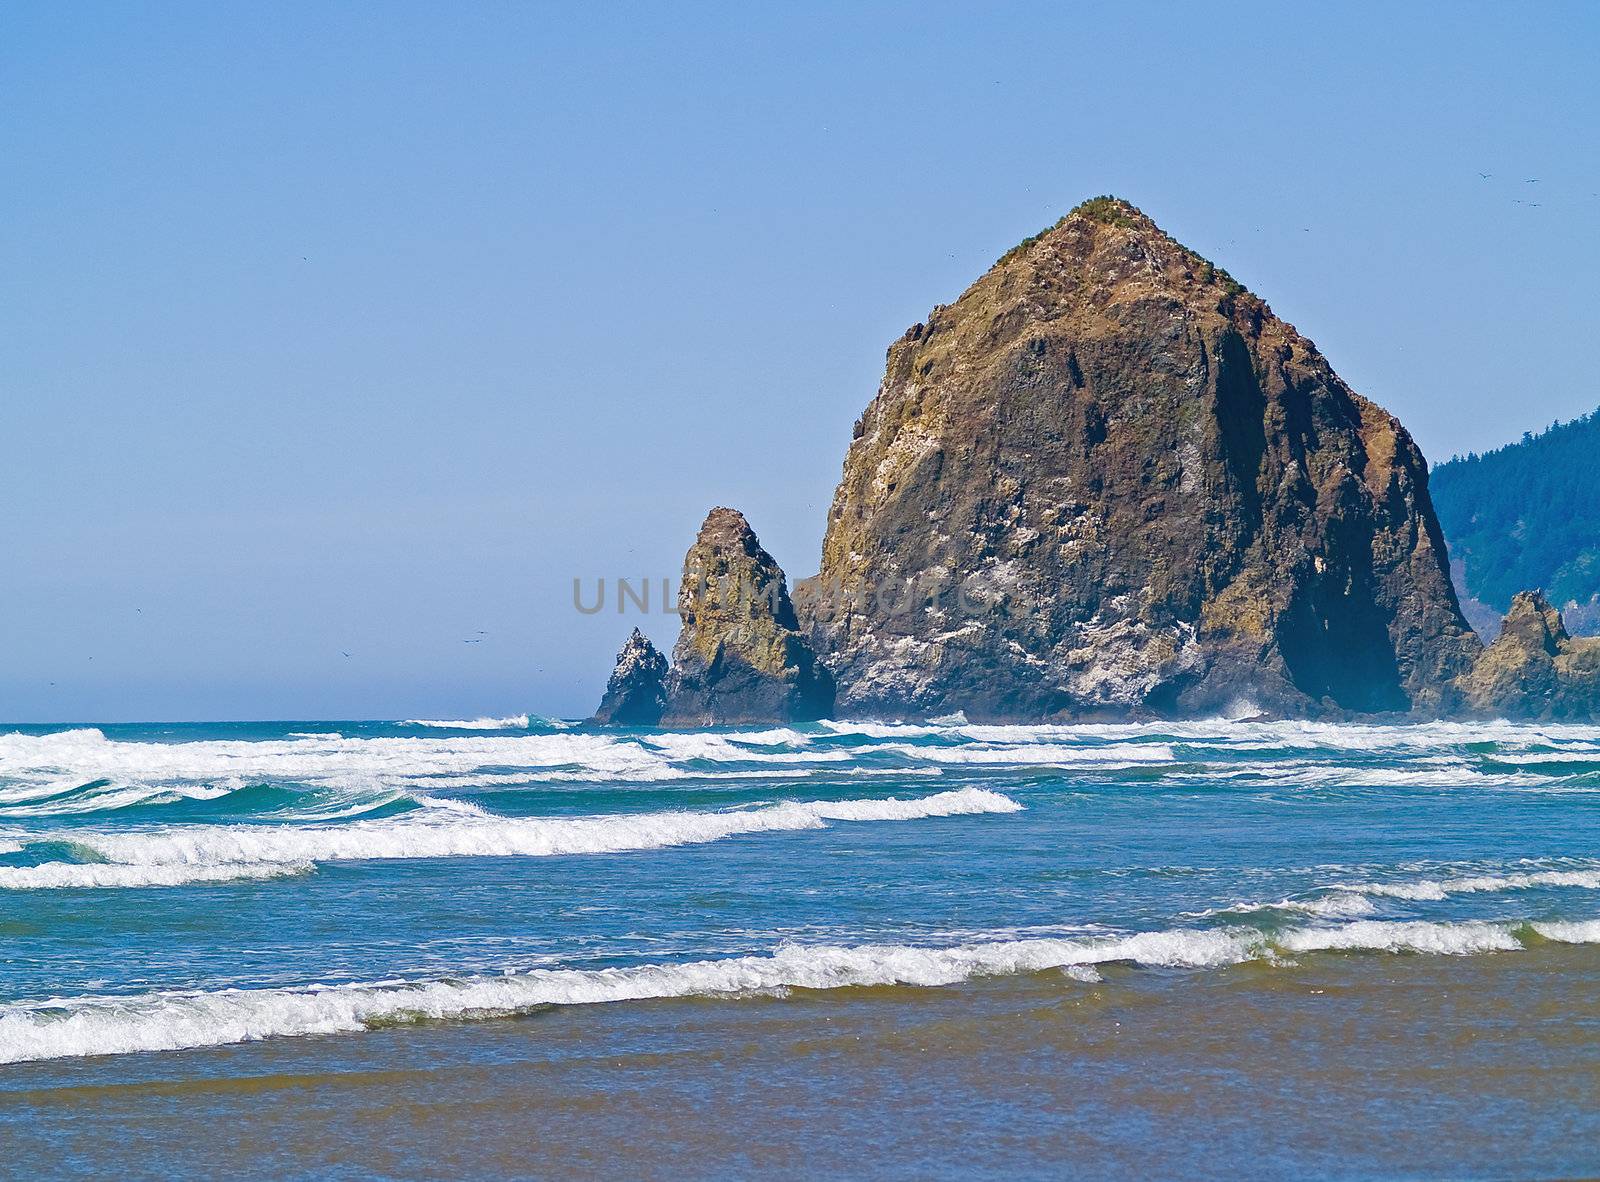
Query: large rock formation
636	695
1109	481
740	657
1534	670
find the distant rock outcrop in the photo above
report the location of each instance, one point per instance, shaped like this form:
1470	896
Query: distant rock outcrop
1534	670
1108	481
740	657
636	695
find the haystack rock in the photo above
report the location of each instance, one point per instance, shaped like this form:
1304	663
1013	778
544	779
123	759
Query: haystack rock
1534	670
740	657
1108	482
636	695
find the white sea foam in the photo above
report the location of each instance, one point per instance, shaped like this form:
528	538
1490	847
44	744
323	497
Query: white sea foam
1424	891
773	736
1336	906
36	769
465	831
1454	939
37	765
56	875
105	1025
518	722
1434	889
687	745
63	1027
883	730
1355	737
1036	754
102	798
1582	931
1584	754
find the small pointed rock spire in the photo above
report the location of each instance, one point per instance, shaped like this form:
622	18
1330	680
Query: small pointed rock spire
636	694
740	657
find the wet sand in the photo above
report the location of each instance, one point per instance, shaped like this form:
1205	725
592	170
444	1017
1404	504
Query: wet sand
1364	1065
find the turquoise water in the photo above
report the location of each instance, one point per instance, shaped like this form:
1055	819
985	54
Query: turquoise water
195	902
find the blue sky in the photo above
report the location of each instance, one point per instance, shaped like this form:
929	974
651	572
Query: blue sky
366	328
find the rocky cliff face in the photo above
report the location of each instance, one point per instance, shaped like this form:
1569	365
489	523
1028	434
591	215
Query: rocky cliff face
636	695
1109	481
740	657
1534	670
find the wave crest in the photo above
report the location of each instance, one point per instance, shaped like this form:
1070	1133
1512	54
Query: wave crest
60	1028
513	722
203	853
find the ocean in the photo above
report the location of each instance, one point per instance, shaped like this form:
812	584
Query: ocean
516	947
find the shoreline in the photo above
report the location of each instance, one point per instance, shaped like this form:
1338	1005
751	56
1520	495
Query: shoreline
1361	1066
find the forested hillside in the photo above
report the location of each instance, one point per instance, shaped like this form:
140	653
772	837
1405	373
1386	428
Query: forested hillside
1528	515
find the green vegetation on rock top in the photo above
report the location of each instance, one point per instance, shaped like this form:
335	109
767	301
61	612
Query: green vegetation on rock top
1112	211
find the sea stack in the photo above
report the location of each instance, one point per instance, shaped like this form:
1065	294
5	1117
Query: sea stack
636	695
1534	670
1108	482
740	657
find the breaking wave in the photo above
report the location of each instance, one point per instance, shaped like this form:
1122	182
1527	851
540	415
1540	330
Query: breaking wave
85	771
514	722
172	1021
1371	935
210	853
55	875
108	1025
1434	889
1336	906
